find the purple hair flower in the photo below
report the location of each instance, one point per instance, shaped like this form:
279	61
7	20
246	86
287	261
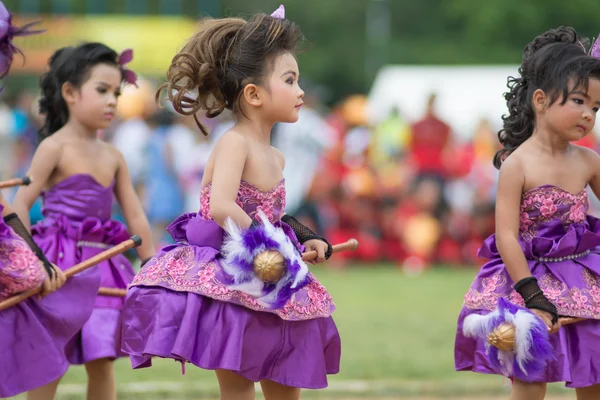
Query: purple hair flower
128	75
7	33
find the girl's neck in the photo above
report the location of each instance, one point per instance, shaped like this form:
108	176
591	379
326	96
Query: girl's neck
80	130
549	143
256	128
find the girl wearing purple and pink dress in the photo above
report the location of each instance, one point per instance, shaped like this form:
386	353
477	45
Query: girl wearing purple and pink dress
34	332
191	302
545	254
77	176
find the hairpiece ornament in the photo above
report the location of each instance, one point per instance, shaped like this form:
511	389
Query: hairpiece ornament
279	13
126	57
7	33
595	49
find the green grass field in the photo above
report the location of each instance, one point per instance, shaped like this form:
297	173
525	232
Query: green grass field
397	341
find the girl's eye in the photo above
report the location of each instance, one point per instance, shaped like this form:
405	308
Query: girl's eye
101	90
578	101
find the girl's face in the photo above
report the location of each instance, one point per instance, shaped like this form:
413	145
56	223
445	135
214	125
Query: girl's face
285	95
94	103
576	118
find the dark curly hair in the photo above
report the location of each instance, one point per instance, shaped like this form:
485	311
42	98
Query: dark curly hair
550	61
224	56
73	65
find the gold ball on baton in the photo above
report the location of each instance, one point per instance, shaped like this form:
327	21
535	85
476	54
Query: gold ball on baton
269	266
503	337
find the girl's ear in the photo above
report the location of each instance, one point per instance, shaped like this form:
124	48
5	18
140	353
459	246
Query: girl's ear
69	93
539	100
252	94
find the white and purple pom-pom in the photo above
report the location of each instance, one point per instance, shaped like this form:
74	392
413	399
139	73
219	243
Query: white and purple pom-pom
239	249
532	349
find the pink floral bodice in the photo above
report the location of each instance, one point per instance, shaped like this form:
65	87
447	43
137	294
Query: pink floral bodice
251	199
20	269
561	244
193	263
550	204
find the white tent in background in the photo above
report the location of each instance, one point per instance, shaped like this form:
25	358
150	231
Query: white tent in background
465	94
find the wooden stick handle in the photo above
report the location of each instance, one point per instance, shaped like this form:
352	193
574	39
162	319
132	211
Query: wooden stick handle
105	255
112	292
570	320
24	181
90	262
351	245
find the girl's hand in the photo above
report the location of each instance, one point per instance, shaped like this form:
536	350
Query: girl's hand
547	318
320	247
54	282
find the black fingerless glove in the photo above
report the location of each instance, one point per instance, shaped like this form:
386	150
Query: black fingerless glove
533	296
304	234
17	226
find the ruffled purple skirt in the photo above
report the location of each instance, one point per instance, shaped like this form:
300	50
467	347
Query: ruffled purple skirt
179	308
67	243
213	334
34	333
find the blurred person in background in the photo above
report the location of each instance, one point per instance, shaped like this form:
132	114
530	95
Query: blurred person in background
304	144
429	144
163	196
193	149
131	135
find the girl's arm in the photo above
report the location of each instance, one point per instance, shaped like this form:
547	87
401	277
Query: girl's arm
508	210
593	160
508	206
44	162
136	220
230	155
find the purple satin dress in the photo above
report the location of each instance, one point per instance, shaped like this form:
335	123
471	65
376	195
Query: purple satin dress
77	226
33	333
180	306
560	242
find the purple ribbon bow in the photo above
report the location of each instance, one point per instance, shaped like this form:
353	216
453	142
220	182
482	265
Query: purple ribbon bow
128	75
7	33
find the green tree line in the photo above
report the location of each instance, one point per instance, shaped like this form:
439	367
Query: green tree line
342	56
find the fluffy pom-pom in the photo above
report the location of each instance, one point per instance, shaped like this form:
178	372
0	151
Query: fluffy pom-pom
531	349
239	249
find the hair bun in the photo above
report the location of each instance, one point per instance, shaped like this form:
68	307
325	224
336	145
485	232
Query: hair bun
562	34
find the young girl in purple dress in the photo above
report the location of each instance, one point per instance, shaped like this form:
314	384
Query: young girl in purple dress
188	303
77	175
545	253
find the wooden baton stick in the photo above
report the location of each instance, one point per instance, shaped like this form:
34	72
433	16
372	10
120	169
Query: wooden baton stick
351	245
15	182
112	292
570	320
134	241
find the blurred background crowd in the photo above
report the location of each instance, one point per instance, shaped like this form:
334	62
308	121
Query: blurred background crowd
388	150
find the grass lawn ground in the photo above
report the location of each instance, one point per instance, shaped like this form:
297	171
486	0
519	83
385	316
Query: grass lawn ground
397	342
